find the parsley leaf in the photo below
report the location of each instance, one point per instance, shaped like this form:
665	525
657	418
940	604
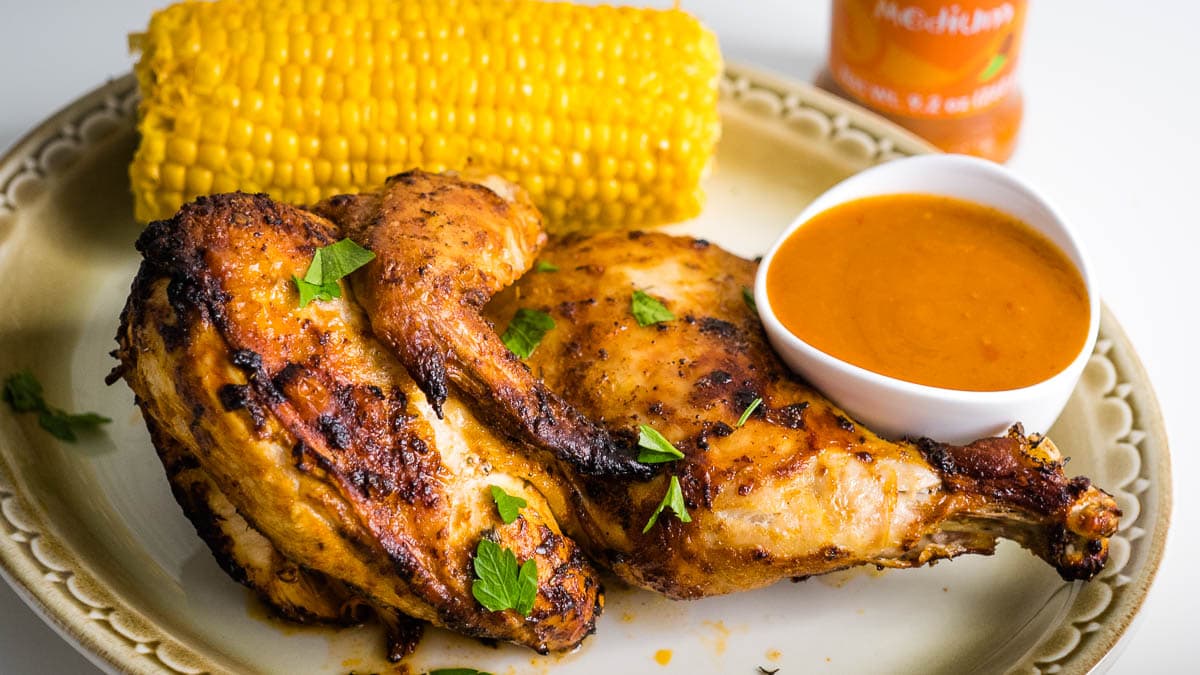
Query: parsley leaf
748	412
340	259
526	330
543	266
310	291
329	264
508	505
748	298
23	393
672	500
457	671
57	424
656	449
527	586
648	310
499	583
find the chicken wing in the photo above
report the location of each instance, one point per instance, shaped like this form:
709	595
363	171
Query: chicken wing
445	245
316	436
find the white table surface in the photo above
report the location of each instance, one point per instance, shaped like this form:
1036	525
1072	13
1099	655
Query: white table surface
1110	135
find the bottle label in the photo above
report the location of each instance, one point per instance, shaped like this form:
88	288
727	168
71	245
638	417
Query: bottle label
927	58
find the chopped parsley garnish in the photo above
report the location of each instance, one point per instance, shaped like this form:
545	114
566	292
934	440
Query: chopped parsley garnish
508	505
526	330
656	449
543	266
23	393
748	298
329	264
648	310
748	412
310	291
499	583
672	500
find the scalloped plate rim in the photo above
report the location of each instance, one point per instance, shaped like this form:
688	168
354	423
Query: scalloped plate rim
100	647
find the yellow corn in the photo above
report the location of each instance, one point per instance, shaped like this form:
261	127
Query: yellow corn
607	116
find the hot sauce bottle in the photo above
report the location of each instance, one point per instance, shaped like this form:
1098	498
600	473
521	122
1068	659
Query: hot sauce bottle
944	70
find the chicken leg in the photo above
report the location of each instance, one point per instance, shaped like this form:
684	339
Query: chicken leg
801	488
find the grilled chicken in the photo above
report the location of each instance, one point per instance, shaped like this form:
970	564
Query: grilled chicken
316	436
358	447
800	488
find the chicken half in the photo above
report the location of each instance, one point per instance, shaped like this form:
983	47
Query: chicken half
307	458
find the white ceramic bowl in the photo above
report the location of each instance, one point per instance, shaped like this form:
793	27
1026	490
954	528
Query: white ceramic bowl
896	408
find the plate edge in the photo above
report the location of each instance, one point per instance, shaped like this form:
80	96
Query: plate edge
737	81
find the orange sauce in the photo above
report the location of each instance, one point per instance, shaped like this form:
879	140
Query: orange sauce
932	290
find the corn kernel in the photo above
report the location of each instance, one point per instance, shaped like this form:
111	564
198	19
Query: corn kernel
173	177
199	181
212	156
263	172
181	151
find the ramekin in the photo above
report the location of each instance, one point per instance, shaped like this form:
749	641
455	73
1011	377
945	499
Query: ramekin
896	408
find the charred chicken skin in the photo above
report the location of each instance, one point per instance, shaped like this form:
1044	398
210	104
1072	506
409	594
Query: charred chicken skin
348	446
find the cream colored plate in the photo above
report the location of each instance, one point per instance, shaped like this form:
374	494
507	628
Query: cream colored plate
91	538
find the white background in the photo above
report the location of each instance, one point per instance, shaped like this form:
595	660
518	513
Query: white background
1110	135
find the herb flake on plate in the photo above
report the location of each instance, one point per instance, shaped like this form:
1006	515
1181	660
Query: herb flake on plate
24	394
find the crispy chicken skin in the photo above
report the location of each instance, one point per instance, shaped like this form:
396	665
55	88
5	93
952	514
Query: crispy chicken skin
316	436
445	246
801	488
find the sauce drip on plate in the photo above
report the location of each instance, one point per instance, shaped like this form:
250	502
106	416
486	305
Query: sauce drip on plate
932	290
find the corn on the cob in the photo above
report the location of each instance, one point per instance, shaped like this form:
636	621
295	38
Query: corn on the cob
607	116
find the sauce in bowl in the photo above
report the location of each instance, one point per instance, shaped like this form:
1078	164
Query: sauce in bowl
933	290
